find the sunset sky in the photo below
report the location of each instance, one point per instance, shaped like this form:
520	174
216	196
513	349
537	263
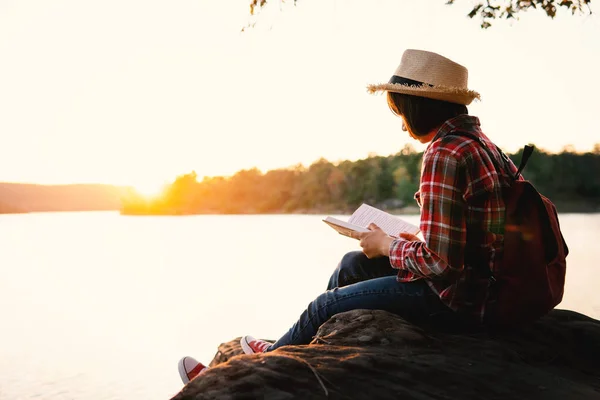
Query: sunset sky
136	92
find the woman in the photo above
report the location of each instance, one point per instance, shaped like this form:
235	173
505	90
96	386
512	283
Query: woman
442	281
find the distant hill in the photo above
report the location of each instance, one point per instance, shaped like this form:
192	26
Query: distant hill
17	197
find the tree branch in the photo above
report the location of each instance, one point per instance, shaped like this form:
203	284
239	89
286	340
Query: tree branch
493	9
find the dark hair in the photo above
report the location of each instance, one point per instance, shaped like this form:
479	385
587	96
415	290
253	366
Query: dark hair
421	114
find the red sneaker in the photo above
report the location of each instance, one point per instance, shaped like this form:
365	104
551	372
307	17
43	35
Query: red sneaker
251	345
190	368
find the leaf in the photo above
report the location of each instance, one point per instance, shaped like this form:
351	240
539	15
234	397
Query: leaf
475	10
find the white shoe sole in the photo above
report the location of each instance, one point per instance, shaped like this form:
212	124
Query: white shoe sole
182	372
246	347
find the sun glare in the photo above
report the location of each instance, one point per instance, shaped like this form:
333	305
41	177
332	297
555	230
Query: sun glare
149	189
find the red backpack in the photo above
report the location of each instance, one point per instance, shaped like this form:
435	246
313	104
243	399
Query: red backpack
528	281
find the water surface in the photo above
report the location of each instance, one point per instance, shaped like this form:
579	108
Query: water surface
102	306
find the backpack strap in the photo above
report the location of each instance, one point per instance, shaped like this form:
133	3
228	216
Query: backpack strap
527	151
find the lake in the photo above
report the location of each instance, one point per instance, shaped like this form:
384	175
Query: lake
102	306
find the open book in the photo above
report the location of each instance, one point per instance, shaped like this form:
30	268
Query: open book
364	215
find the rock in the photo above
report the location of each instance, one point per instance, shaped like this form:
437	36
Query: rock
374	354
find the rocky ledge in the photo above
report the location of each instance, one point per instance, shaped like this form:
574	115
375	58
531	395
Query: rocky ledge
366	354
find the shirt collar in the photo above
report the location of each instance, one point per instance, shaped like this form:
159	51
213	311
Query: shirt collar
460	122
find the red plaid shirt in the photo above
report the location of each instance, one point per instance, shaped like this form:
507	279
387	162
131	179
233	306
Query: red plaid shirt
462	218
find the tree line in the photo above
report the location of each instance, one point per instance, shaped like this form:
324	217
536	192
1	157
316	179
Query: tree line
570	179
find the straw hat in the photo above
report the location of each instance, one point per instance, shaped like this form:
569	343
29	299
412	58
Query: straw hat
426	74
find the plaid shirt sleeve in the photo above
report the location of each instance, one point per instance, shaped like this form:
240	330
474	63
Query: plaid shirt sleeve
443	221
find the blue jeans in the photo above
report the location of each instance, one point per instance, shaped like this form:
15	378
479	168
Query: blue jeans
362	283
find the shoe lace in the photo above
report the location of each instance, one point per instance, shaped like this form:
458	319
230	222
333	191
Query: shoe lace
260	345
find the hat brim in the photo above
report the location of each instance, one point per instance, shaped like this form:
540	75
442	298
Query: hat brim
443	93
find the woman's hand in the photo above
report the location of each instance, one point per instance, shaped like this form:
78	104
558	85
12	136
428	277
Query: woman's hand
375	243
410	237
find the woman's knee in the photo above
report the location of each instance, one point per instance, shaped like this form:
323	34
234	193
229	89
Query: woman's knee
352	260
349	270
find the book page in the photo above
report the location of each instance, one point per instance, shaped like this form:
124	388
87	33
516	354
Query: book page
390	224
